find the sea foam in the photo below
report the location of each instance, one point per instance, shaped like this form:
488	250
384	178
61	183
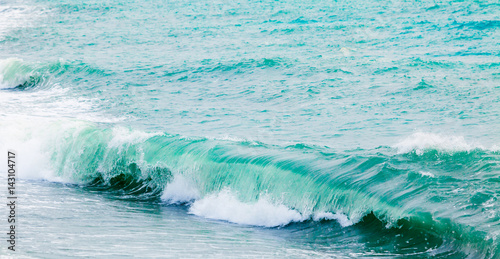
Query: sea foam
181	190
225	206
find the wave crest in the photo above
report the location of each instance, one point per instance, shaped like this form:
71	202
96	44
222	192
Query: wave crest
420	142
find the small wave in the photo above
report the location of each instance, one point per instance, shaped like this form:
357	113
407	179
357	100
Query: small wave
18	74
228	67
423	85
479	25
45	93
13	73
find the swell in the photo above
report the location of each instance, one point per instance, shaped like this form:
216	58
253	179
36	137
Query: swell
444	191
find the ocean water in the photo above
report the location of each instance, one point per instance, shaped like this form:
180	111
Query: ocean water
181	129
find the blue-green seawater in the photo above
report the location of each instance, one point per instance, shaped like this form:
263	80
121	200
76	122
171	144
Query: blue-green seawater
183	129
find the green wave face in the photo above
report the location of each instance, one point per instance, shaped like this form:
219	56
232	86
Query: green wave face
427	193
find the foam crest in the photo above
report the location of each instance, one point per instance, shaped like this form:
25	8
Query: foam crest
225	206
421	141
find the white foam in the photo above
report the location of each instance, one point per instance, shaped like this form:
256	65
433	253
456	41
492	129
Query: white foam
429	174
342	219
421	141
31	161
225	206
28	137
181	190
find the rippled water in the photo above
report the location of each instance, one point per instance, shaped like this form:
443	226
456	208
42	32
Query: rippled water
268	129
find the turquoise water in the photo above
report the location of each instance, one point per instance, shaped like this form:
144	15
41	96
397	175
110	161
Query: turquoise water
262	129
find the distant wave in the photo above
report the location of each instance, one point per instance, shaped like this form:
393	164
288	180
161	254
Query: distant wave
17	74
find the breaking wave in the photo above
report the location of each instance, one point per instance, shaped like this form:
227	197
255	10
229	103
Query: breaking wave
273	186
